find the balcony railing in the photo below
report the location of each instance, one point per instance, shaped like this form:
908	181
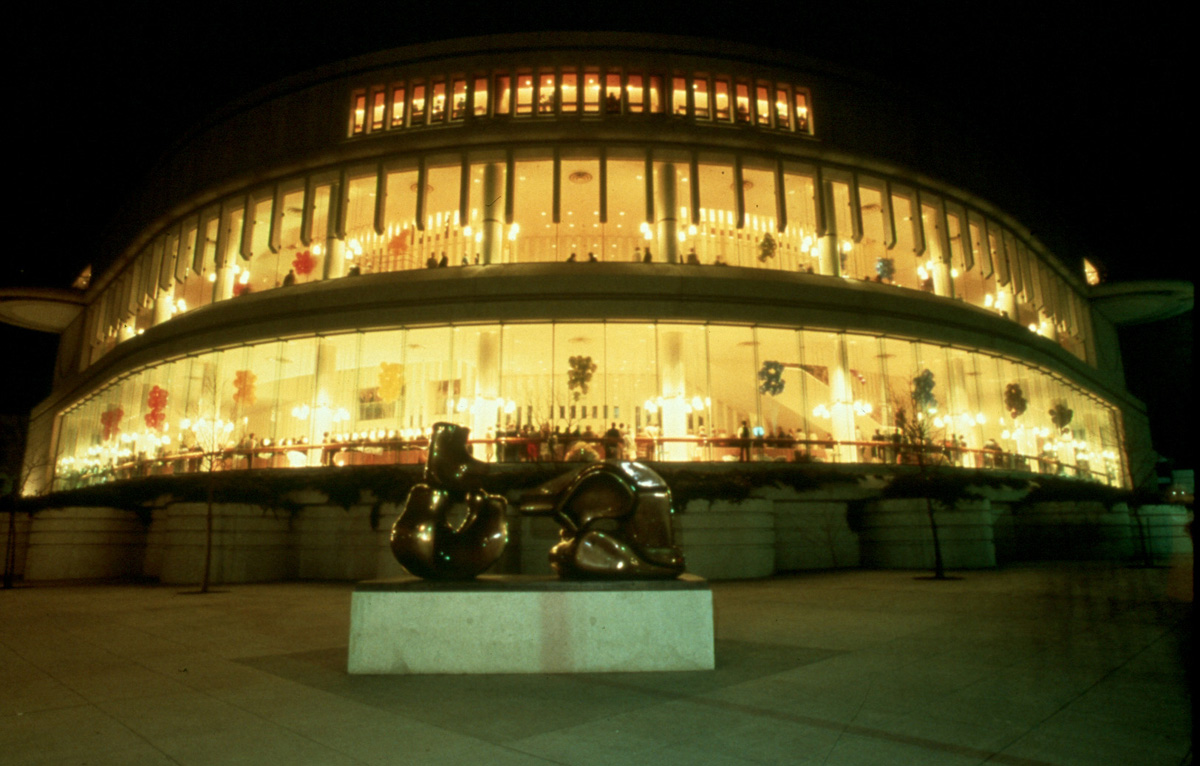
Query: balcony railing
583	448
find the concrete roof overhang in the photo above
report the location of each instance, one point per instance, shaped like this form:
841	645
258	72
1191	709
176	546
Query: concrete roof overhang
1132	303
40	308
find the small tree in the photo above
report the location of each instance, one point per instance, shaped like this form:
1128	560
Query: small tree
24	469
915	426
210	437
8	503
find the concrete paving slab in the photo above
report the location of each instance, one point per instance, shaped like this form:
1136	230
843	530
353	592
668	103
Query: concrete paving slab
1025	666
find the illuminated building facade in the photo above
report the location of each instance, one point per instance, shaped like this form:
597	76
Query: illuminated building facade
527	235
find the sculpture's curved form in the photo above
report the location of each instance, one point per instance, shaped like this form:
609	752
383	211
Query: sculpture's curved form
616	522
434	537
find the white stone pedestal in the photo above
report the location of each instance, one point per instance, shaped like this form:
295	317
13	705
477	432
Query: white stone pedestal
524	624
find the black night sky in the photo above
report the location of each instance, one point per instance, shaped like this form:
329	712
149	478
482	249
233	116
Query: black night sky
1081	106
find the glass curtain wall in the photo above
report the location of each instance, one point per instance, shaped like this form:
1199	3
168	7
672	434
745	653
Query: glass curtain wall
679	392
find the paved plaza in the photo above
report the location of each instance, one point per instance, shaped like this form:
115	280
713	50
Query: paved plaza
1038	664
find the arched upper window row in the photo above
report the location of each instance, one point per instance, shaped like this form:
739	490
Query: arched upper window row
589	91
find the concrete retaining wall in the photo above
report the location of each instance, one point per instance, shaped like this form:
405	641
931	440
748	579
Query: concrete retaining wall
84	543
723	540
896	534
1161	531
21	523
814	535
249	544
1065	530
783	531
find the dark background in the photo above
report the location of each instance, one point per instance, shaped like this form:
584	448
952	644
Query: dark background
1080	107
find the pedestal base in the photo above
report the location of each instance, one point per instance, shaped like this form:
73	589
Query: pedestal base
523	624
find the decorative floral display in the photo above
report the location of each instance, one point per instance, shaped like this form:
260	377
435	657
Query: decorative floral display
110	419
580	374
885	268
766	248
398	245
923	386
304	263
243	384
391	379
1060	415
771	378
156	401
1014	400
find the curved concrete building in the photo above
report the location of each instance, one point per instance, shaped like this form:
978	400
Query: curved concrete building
532	235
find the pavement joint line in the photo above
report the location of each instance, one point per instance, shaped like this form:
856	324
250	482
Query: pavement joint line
985	756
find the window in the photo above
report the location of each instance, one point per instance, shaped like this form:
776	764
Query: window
524	94
634	93
546	93
378	108
418	104
480	97
743	102
458	107
398	106
700	96
721	99
503	94
612	93
579	226
656	101
762	104
358	114
678	96
781	107
570	92
591	91
801	102
437	110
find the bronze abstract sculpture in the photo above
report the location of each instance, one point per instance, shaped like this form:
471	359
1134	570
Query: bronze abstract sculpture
450	529
616	522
